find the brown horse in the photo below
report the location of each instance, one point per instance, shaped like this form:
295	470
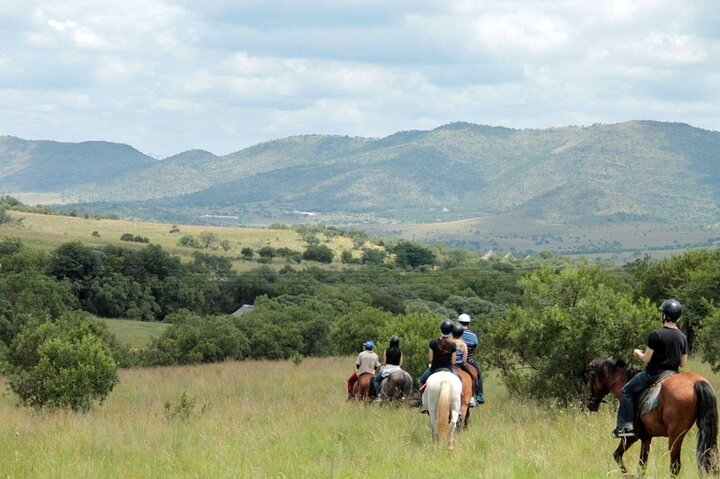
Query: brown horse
465	397
684	398
361	390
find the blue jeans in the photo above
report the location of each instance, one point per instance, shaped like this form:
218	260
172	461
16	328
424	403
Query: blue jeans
377	381
628	394
424	377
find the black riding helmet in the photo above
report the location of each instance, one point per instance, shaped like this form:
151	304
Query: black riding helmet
394	341
672	309
457	331
446	327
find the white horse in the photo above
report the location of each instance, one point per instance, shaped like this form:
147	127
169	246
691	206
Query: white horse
442	399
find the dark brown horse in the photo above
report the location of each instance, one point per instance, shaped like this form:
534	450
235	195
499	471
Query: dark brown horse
685	398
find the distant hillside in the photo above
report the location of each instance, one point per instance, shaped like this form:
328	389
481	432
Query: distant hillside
50	166
640	171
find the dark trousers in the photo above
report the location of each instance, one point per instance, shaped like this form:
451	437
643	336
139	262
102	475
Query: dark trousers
628	394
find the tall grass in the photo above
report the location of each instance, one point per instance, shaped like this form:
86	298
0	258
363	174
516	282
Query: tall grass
278	419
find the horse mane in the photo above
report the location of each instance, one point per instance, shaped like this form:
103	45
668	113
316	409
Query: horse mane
608	367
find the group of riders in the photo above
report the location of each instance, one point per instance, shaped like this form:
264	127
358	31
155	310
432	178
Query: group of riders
454	349
666	350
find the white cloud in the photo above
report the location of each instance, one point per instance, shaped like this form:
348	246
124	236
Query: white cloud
222	75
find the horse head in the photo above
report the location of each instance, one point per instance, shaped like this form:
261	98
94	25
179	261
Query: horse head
601	375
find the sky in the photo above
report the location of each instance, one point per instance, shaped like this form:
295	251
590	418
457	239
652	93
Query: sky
166	76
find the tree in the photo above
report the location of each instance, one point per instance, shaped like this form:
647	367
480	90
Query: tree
411	255
373	256
63	364
5	218
247	253
208	239
567	318
708	338
415	331
356	327
319	253
10	246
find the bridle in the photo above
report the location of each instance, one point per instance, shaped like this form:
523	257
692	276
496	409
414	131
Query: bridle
593	402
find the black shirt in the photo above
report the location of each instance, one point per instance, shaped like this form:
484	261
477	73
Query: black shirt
442	359
392	356
668	345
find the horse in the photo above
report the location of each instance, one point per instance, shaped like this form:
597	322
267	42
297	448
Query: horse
396	386
684	398
361	389
442	399
465	397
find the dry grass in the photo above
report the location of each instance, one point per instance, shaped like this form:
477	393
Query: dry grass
276	419
47	232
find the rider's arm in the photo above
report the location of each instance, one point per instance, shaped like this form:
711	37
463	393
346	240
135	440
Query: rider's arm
644	356
401	359
453	358
430	357
385	357
683	360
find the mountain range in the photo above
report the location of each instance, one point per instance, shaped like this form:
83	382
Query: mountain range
635	171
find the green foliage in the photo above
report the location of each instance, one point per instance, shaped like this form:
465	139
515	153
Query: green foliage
319	253
356	327
267	252
346	257
189	241
127	237
4	217
208	239
567	318
247	253
36	294
10	246
118	296
415	331
184	408
64	364
412	255
708	338
373	256
193	339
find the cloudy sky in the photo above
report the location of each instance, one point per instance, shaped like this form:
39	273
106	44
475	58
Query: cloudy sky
169	75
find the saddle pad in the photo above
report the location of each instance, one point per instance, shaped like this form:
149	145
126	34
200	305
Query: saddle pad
650	399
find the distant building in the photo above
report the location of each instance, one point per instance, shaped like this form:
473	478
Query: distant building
244	309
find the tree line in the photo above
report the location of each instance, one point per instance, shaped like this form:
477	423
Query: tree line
539	321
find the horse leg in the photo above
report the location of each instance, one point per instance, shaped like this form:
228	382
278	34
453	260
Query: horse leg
644	453
675	440
624	445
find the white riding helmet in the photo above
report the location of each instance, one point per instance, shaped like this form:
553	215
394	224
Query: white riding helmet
464	318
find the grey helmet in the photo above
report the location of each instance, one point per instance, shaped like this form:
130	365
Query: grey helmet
457	331
672	309
394	341
446	327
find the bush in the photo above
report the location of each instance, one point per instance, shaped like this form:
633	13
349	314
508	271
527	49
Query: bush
189	242
566	319
247	253
708	338
63	364
127	237
415	331
319	253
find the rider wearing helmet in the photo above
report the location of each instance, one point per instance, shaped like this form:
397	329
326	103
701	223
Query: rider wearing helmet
366	363
392	360
441	354
471	340
666	350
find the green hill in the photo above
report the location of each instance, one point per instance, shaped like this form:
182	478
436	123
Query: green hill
641	170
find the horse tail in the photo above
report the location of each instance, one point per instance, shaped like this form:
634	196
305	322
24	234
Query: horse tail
443	408
707	422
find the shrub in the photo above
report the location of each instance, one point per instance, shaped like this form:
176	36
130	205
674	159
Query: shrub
127	237
320	253
63	364
189	242
95	234
247	252
267	252
567	318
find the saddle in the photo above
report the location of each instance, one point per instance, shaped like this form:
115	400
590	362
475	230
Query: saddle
650	398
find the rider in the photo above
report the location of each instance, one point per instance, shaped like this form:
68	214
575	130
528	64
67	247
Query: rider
365	363
392	360
442	352
666	350
461	356
471	340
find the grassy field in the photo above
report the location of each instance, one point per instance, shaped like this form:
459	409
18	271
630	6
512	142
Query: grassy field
135	334
47	232
281	420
